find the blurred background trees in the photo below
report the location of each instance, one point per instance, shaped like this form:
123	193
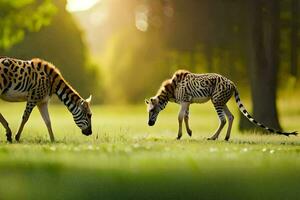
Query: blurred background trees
17	17
157	37
121	50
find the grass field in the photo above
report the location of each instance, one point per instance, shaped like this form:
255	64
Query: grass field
126	159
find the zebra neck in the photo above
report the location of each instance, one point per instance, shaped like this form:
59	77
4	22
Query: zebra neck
68	96
163	101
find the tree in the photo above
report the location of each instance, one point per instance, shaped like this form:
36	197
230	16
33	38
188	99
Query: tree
20	16
263	69
294	37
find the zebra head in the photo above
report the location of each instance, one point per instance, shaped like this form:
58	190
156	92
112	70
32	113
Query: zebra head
83	116
153	109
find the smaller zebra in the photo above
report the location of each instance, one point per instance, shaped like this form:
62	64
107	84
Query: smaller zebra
34	81
185	88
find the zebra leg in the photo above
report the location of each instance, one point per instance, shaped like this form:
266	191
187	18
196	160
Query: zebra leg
5	125
26	114
43	108
186	121
184	107
222	119
230	118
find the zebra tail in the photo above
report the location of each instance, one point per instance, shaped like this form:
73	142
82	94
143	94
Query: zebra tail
251	119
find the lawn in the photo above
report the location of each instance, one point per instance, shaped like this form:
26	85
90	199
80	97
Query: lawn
126	159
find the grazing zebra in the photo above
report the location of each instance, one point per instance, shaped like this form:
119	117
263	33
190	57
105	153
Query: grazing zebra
35	81
186	88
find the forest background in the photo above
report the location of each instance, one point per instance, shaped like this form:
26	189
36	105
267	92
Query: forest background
121	50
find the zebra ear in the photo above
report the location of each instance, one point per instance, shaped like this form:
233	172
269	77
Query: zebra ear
154	101
146	101
89	99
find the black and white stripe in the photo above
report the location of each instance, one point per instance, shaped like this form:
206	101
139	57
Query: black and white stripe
73	101
251	119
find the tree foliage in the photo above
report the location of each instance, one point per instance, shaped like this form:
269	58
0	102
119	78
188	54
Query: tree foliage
20	16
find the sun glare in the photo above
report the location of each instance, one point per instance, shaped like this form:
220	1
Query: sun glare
80	5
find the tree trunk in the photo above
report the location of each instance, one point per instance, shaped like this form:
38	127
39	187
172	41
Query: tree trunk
294	37
263	70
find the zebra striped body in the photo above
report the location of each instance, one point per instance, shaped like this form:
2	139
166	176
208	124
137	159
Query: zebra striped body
35	81
186	88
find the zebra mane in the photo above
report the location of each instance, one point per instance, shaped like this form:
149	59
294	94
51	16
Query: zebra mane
180	72
163	87
56	71
167	88
49	64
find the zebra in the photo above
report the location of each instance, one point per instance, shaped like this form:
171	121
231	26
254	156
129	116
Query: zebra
185	88
34	81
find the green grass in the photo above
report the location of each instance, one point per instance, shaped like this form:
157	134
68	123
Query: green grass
126	159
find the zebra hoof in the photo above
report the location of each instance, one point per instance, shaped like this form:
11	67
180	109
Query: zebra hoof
190	133
17	138
8	137
211	138
178	137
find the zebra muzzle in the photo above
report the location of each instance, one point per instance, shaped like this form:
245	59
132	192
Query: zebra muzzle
87	131
151	122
